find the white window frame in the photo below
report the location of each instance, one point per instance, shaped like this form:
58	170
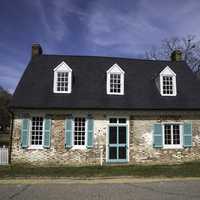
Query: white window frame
170	73
86	131
173	146
62	67
115	69
30	146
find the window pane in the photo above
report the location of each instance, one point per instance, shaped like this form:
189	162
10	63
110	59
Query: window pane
112	152
112	135
122	120
176	134
37	131
122	152
79	131
113	120
167	130
122	135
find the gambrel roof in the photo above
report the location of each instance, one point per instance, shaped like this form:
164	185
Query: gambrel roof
35	89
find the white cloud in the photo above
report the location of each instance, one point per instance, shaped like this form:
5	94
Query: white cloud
52	21
126	31
134	31
54	16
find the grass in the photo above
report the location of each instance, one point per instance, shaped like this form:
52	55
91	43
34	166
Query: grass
190	169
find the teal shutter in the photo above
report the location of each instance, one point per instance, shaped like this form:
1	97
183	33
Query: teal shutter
47	132
157	136
90	131
187	135
68	132
25	133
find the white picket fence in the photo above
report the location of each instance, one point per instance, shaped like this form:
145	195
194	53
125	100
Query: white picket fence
4	156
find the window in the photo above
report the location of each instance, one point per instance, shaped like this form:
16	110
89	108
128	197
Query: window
172	135
79	131
62	78
115	83
168	82
115	80
62	81
117	140
36	131
167	85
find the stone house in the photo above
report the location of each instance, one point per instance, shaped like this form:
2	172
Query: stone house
82	110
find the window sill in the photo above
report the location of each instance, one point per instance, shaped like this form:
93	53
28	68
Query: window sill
115	93
35	147
168	95
62	92
172	147
79	147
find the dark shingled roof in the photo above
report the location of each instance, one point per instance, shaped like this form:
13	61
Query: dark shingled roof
35	89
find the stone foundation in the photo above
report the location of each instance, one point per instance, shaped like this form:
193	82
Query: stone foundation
140	141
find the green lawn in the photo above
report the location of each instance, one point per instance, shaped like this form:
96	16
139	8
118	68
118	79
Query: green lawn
190	169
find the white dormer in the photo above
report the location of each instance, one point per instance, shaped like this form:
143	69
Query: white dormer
168	82
115	80
62	79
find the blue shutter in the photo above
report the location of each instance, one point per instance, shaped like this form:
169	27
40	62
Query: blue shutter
187	135
47	132
25	133
68	131
157	136
90	131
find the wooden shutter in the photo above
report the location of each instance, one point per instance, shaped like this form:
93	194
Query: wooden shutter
47	132
90	131
25	132
187	135
157	136
68	131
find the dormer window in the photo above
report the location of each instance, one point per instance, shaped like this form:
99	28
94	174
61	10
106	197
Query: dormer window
115	80
167	85
62	78
115	83
168	82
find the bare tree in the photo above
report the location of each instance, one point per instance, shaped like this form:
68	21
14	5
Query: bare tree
189	46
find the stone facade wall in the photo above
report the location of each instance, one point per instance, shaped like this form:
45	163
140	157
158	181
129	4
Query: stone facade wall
140	142
141	148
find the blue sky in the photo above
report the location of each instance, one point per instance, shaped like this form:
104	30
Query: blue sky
88	27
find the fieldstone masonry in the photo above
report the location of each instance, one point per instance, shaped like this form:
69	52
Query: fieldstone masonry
140	141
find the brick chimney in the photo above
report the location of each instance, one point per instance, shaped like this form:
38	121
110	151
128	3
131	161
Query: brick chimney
176	55
36	50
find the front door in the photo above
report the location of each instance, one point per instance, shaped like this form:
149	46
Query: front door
117	150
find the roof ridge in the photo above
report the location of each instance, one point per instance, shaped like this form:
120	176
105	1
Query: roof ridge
108	57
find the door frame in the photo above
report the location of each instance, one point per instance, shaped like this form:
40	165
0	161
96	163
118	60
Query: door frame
127	139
